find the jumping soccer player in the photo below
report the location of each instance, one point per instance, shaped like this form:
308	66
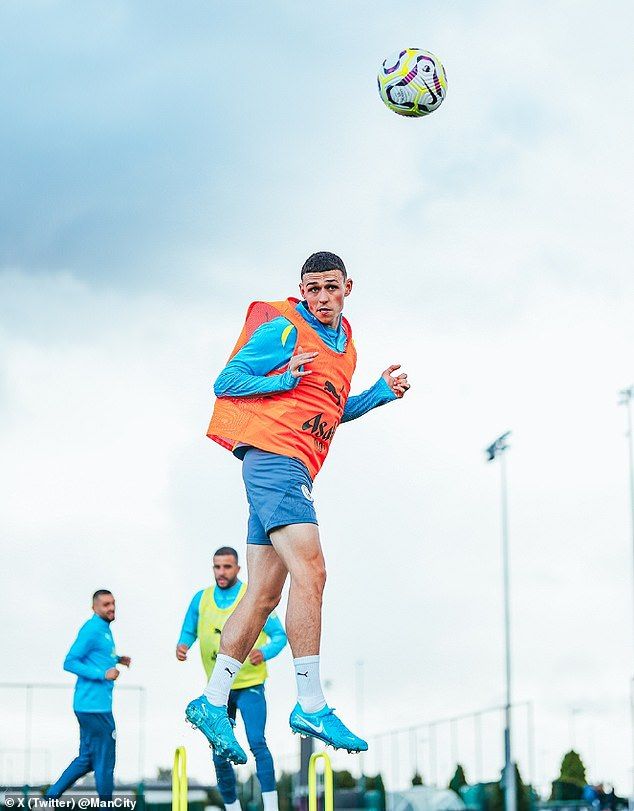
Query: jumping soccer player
205	619
280	399
93	660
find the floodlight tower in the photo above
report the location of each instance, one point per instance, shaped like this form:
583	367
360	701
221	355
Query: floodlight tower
497	450
625	399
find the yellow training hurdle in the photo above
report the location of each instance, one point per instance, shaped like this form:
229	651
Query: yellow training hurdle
312	782
179	780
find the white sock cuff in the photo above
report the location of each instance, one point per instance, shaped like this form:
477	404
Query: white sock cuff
222	658
306	660
269	800
218	688
309	693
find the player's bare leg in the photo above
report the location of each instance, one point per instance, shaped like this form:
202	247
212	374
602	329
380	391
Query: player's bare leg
299	548
267	575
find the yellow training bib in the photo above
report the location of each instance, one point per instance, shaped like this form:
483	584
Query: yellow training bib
211	621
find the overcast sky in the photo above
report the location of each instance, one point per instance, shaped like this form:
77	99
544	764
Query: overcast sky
165	164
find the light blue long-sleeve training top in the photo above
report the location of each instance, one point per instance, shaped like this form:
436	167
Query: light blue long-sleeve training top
270	347
90	655
225	598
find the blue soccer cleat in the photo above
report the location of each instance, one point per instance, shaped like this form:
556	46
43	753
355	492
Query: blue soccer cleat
217	727
325	726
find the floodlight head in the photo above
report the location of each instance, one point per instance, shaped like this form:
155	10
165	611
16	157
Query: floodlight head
497	446
625	395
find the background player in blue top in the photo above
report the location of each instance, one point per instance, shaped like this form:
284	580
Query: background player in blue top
206	615
93	659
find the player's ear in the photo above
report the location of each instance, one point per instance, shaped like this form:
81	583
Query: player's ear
347	289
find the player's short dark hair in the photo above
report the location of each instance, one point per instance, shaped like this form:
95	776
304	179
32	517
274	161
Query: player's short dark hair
100	593
321	261
227	550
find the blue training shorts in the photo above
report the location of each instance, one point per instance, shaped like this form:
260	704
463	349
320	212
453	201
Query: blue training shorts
279	492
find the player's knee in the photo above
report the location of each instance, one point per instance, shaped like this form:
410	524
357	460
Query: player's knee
260	749
318	572
267	601
313	578
271	603
257	743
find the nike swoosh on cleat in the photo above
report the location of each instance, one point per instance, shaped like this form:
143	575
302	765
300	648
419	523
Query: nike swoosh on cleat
320	728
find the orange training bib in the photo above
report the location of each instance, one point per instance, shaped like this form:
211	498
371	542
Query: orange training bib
301	422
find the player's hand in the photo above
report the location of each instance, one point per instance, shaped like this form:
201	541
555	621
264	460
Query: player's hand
256	657
181	652
125	661
297	361
398	383
112	674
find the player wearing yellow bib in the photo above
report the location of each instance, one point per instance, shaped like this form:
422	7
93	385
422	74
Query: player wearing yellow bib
205	619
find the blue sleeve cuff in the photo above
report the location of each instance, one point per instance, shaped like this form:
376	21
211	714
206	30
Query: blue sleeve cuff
383	392
186	639
288	381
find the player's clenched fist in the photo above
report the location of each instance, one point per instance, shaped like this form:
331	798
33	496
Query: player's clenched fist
181	652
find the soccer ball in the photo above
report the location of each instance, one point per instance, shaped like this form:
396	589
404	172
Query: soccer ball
412	82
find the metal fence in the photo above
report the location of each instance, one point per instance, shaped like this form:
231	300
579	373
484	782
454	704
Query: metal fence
35	724
432	749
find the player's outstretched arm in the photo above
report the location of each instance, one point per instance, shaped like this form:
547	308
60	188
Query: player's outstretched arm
387	388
